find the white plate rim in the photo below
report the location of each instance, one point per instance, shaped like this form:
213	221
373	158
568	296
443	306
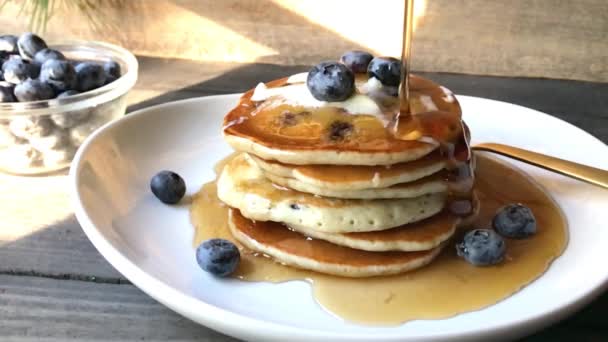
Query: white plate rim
217	318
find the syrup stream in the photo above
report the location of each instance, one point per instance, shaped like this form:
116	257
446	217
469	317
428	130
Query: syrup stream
404	90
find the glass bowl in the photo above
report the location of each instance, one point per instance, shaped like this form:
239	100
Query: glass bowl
42	136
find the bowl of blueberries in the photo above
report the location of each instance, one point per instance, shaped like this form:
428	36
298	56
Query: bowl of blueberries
54	96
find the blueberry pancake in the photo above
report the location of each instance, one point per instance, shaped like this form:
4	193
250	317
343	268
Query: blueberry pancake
243	186
282	121
296	250
333	177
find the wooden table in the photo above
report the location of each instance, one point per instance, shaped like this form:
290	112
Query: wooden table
54	285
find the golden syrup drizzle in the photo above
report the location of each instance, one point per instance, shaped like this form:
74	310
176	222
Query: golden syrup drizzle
290	127
434	119
447	287
406	48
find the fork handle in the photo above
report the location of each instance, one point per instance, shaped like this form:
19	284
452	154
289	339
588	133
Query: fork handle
581	172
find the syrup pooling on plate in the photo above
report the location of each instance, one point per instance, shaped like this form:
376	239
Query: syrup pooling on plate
446	287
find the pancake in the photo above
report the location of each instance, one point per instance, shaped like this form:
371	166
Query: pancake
353	132
243	186
424	235
352	177
428	185
420	236
293	249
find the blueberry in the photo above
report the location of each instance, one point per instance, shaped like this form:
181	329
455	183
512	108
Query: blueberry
8	43
29	44
331	81
168	187
386	69
60	74
357	61
45	54
515	221
89	76
33	90
4	56
16	70
112	69
482	247
218	256
67	93
7	92
338	130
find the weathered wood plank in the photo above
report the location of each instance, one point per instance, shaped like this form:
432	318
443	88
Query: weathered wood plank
40	309
34	309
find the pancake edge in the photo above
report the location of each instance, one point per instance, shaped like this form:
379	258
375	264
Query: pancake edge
286	171
332	157
429	187
327	268
361	216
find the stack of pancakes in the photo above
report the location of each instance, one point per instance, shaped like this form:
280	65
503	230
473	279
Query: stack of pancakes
330	188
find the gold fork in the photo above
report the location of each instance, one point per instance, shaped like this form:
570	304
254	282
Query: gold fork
581	172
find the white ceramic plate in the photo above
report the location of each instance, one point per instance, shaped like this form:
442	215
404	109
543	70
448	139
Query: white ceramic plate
151	243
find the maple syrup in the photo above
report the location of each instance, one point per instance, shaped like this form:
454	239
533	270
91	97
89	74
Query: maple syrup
446	287
332	129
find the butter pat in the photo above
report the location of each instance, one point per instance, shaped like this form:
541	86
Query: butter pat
298	94
298	78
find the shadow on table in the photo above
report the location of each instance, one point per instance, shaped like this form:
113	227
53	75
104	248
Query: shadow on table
58	251
33	272
587	325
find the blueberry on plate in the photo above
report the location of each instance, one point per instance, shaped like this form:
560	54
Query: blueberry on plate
67	93
7	92
386	69
218	256
8	43
16	70
60	74
33	90
29	44
515	221
168	187
482	247
357	61
45	54
89	76
331	81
